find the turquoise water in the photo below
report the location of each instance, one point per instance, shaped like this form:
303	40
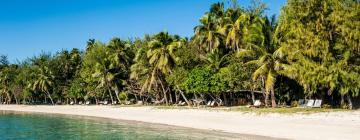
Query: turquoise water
30	126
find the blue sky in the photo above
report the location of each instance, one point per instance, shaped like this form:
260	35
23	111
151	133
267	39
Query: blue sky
28	27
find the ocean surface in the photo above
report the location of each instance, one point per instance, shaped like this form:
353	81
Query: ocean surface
36	126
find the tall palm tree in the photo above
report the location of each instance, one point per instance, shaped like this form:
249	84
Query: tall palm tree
244	31
6	76
161	55
207	34
262	50
42	81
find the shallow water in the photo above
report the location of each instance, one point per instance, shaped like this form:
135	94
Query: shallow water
36	126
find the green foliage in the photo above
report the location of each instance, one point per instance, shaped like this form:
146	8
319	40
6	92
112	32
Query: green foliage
315	43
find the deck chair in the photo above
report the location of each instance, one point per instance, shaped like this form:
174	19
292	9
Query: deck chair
80	103
182	103
87	103
257	103
209	103
212	104
114	103
139	103
310	103
303	102
72	103
105	102
317	104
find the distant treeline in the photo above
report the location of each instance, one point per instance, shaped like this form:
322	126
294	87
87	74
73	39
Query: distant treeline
237	55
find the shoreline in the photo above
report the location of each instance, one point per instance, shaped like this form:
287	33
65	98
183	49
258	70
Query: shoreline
331	125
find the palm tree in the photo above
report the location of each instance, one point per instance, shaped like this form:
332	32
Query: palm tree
6	76
262	48
162	57
207	34
42	81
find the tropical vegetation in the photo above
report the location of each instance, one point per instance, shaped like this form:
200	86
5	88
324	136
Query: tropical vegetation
236	55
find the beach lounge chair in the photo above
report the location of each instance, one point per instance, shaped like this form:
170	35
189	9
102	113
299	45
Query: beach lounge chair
310	103
303	102
80	103
198	101
72	103
114	103
257	103
159	102
212	104
317	104
182	103
209	103
139	103
105	102
87	103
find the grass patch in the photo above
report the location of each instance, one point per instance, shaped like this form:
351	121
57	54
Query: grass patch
248	110
282	110
259	110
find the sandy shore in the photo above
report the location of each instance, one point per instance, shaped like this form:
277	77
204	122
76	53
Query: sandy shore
329	126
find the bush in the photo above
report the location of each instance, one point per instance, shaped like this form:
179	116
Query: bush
123	96
294	104
326	106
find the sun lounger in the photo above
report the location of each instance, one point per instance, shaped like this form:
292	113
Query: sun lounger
317	104
209	103
310	103
257	103
139	103
114	103
87	103
80	103
127	102
182	103
159	102
212	104
198	101
72	103
105	102
303	102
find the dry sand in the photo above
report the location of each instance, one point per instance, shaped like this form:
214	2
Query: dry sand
327	126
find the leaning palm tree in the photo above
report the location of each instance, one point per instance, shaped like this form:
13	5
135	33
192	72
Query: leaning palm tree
268	65
161	55
42	81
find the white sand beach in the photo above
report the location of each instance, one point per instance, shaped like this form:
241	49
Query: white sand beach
329	126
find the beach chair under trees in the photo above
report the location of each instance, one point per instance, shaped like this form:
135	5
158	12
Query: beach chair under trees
317	104
303	103
310	103
256	104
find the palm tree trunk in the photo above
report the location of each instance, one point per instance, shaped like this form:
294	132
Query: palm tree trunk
117	93
273	102
266	99
252	97
164	91
170	96
225	99
182	94
264	91
111	97
48	94
342	100
349	101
